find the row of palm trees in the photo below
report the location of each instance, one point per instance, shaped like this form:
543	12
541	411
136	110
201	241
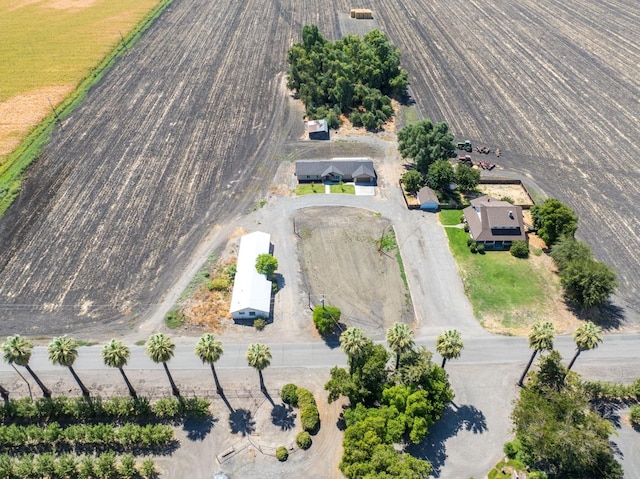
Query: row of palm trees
63	351
587	336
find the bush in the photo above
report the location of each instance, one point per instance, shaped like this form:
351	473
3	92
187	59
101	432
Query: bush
507	199
480	248
218	284
511	449
148	469
282	454
473	247
303	440
289	394
519	249
174	319
470	241
634	415
310	418
305	397
259	324
326	318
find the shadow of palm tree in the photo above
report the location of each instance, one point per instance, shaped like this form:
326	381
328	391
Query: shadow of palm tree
283	416
241	421
198	427
453	420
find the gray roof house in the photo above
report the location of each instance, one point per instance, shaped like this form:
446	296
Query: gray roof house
318	130
495	224
358	170
428	199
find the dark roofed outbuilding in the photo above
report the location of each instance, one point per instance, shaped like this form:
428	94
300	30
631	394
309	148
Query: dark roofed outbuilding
318	129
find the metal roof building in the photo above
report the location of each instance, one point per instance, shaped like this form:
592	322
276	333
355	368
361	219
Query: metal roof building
251	297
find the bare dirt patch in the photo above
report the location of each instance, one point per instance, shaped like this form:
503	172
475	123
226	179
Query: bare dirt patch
515	192
341	262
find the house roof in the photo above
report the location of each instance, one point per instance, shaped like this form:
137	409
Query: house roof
343	166
427	195
494	220
317	126
251	290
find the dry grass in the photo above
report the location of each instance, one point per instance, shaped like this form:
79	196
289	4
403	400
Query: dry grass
49	46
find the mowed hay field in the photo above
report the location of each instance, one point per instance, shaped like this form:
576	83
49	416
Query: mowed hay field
47	47
184	131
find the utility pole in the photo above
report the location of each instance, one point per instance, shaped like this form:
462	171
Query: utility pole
55	113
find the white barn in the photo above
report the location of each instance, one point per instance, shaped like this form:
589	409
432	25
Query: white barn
251	297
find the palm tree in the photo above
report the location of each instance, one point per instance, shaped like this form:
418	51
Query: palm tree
352	342
209	351
540	339
63	351
588	336
17	350
259	357
115	354
400	339
449	345
160	350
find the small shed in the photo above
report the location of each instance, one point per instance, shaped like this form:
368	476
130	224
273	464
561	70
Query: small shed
251	297
318	129
428	199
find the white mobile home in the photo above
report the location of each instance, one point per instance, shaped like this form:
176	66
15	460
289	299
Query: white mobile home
251	296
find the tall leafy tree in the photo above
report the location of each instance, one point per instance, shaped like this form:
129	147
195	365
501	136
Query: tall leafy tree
554	220
588	283
400	339
352	342
449	345
540	339
587	337
568	250
115	354
266	264
467	177
17	350
412	181
259	358
63	351
425	143
440	174
160	349
209	351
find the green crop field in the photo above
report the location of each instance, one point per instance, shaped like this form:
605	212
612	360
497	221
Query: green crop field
47	47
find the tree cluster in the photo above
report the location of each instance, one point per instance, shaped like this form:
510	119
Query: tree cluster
556	431
425	143
68	466
387	406
326	318
352	76
117	409
553	220
585	281
101	435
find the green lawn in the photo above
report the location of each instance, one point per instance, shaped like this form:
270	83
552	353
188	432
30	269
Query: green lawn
309	189
450	217
496	282
343	189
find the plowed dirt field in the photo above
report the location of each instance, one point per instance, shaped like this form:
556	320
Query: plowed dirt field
185	130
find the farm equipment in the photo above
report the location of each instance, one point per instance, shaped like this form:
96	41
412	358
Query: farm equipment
486	166
361	13
465	145
465	160
483	149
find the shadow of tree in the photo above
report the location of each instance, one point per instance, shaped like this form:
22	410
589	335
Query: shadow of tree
608	316
241	421
198	428
608	409
453	420
283	416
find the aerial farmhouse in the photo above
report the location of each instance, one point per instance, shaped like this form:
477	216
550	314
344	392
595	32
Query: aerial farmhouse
493	223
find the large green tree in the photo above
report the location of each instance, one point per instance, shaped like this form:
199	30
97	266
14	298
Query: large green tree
553	220
400	339
266	264
412	181
209	350
440	175
18	350
115	354
557	432
425	143
467	177
259	358
568	250
588	283
63	351
540	339
587	337
449	345
161	349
